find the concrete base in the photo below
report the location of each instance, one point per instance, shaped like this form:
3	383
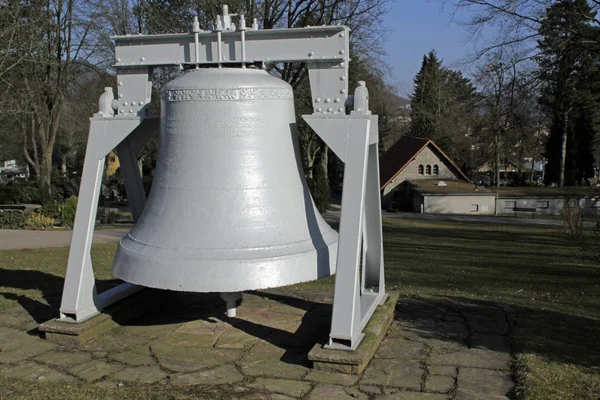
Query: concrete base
68	332
354	362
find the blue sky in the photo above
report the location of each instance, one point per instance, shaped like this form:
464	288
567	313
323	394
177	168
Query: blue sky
416	27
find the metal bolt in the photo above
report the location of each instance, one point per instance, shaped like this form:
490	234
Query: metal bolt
120	83
318	100
342	34
122	111
328	100
120	96
141	102
319	109
125	104
329	110
337	100
133	103
342	52
312	53
142	59
342	78
343	91
340	110
131	111
118	60
342	64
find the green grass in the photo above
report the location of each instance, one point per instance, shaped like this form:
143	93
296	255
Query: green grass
546	280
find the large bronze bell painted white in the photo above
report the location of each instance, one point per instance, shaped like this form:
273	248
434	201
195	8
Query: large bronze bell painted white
229	208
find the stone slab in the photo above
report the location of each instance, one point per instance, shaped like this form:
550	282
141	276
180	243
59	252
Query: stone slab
484	383
141	375
335	392
35	372
473	358
405	374
284	386
95	369
63	359
439	383
333	378
225	374
413	396
63	332
356	361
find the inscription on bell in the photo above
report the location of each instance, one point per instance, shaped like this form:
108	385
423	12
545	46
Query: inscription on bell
226	94
214	126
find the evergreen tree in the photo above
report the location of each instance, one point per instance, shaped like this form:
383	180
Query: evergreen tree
443	104
569	70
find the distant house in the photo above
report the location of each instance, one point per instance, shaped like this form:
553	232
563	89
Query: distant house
413	159
11	170
416	175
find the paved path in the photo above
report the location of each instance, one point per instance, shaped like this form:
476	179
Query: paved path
23	239
434	350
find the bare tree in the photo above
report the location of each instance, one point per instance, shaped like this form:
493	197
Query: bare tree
50	38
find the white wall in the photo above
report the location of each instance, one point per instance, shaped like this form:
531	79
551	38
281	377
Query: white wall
546	205
457	204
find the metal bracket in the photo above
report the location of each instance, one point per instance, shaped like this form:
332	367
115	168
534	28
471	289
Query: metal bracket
359	281
80	300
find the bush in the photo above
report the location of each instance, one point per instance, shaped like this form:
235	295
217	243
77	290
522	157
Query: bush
15	193
67	212
38	221
12	220
50	209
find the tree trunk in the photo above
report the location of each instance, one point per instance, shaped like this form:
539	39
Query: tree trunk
45	176
563	152
497	145
63	164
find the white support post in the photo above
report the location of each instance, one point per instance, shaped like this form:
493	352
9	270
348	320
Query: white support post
80	300
354	138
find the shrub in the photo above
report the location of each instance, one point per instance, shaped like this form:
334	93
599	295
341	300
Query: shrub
50	209
111	217
16	193
38	221
67	212
12	220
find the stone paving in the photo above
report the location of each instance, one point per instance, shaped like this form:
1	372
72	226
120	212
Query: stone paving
434	350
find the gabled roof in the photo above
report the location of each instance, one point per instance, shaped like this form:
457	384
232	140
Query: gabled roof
402	153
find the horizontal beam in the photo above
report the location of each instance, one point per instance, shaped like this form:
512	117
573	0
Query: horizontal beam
323	43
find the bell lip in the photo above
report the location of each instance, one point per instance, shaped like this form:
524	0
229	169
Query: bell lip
205	276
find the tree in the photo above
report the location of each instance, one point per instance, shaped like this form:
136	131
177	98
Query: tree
443	106
569	71
508	116
50	41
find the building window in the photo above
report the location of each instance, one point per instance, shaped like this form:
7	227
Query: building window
474	207
421	169
428	170
543	204
510	204
436	169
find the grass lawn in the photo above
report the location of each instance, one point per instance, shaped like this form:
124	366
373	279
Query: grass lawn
547	282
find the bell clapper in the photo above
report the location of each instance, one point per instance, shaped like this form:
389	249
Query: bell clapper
231	298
